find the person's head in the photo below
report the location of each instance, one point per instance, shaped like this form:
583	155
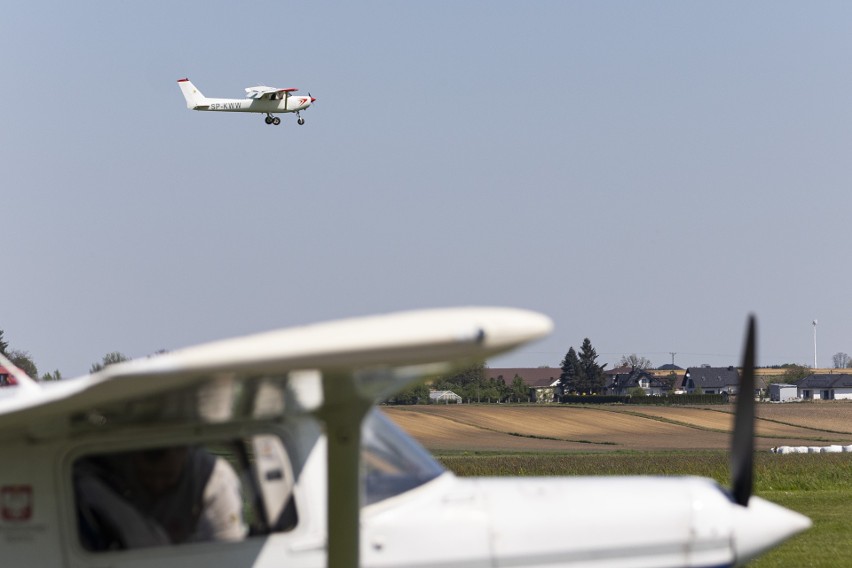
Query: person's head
159	470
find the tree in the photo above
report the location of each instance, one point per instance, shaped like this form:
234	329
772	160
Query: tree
794	372
592	377
520	390
54	376
569	379
637	391
635	361
497	389
669	380
841	360
415	394
3	345
469	383
24	361
110	358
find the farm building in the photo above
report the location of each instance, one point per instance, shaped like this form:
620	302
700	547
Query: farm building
781	392
825	387
543	382
444	397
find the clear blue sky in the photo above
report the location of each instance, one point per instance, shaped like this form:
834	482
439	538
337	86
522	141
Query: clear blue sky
644	173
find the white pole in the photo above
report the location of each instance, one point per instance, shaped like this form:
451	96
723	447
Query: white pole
815	351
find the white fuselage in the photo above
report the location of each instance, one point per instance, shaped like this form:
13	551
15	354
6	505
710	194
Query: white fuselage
450	522
581	522
292	103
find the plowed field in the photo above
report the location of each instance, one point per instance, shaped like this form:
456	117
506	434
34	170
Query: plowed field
617	427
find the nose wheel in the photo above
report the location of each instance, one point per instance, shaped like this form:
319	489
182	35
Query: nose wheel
272	120
301	120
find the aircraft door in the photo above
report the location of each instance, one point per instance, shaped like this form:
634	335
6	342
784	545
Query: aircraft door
275	481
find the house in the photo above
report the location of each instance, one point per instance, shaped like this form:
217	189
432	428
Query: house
543	382
444	397
626	379
825	387
782	392
711	380
623	370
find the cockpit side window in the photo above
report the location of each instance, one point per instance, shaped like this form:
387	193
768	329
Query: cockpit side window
393	463
225	490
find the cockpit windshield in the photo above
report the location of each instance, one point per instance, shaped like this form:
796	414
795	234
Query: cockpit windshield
393	463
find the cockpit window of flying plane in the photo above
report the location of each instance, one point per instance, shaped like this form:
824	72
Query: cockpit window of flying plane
183	494
392	461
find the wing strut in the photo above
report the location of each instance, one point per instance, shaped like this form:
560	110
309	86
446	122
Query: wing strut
343	415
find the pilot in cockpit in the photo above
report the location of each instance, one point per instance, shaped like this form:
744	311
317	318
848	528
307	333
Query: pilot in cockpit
157	497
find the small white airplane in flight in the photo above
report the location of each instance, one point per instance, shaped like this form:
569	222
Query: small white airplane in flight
266	451
262	99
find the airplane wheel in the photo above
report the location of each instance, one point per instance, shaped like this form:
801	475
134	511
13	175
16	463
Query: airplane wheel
276	121
268	120
301	121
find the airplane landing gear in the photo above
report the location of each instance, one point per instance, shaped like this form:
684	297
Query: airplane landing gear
272	120
301	120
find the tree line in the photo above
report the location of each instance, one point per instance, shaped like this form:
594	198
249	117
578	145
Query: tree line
469	383
23	360
580	374
841	360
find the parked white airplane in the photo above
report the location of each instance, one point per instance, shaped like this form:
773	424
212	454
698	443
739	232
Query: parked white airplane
265	451
267	100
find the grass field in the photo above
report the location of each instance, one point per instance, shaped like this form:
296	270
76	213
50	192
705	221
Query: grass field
635	440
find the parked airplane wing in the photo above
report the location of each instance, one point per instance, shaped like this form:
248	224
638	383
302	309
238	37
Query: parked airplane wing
367	358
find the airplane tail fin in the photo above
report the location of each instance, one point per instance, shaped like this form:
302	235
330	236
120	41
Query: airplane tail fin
194	98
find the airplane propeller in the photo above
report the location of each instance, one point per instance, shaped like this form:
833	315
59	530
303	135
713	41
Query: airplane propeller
742	444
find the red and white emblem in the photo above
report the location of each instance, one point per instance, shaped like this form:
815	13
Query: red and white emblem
16	502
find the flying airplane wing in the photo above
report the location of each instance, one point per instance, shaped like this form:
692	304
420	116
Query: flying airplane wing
264	92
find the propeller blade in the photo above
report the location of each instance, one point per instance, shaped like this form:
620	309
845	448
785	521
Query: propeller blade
742	444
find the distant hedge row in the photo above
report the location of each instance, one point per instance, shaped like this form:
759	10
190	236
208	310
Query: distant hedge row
658	400
595	399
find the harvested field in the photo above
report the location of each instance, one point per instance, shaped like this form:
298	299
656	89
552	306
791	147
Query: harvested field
833	416
828	416
722	419
616	427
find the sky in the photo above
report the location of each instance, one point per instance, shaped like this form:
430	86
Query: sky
646	174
